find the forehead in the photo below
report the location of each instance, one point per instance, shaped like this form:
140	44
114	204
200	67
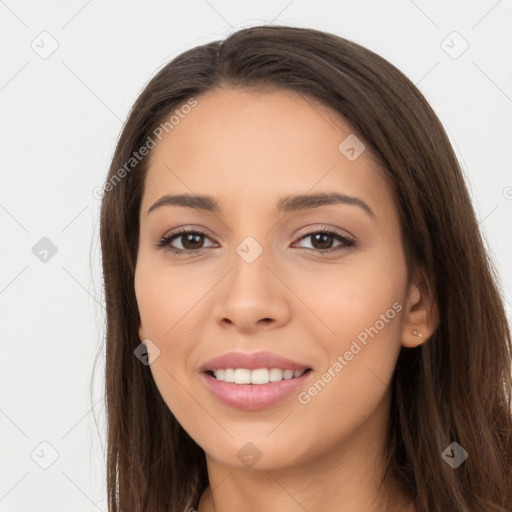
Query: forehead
260	144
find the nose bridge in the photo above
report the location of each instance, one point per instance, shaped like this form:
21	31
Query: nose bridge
256	251
250	262
251	292
251	232
249	250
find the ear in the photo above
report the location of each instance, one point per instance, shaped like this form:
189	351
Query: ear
141	333
421	316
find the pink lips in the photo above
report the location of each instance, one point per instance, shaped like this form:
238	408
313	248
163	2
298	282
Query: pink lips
252	396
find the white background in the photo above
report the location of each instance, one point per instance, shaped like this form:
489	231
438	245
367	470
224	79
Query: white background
61	117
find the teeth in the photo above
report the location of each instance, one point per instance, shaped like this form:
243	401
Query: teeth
242	376
259	376
276	374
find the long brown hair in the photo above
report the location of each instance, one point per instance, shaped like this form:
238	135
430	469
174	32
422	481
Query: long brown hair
456	387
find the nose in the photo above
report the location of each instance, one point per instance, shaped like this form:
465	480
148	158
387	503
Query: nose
252	297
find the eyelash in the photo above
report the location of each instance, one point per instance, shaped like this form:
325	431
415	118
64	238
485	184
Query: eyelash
165	241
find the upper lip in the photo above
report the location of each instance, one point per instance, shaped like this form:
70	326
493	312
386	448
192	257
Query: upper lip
252	361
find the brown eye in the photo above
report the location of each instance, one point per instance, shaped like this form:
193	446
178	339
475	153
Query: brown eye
190	241
323	241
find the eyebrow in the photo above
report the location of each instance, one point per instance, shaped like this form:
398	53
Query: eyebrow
284	205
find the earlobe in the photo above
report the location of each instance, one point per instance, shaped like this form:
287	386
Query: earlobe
421	313
141	333
413	338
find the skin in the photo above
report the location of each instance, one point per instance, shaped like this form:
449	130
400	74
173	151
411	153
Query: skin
248	149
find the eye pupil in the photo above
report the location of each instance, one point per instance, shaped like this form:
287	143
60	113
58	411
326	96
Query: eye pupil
190	237
320	237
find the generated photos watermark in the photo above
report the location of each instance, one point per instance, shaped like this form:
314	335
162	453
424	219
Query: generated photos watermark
305	397
137	156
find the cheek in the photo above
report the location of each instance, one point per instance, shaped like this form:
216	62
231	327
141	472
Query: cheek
166	298
161	300
168	306
364	314
159	307
350	297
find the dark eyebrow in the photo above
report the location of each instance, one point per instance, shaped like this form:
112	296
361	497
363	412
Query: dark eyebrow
284	205
306	201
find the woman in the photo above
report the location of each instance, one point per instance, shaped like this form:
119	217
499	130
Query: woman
366	370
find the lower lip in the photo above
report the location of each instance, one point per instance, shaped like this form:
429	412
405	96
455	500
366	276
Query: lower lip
253	397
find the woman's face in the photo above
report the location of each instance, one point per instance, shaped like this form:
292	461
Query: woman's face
261	277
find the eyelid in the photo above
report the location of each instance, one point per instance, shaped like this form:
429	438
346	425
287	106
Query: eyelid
325	228
186	228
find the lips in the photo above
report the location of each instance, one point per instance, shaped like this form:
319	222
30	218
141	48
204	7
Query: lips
252	361
258	394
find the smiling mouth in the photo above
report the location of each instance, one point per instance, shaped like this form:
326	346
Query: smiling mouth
258	376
